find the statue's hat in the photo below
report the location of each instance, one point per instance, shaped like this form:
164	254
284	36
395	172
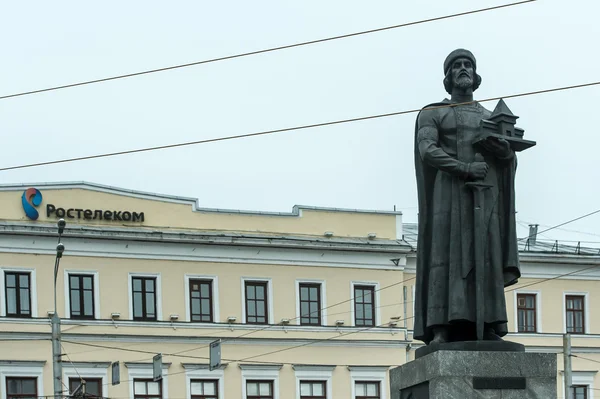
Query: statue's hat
458	53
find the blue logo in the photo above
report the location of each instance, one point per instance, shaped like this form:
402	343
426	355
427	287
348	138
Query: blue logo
31	198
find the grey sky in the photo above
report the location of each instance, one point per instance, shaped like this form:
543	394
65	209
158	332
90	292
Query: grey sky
368	164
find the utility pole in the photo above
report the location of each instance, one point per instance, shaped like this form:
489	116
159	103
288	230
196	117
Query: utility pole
567	360
56	343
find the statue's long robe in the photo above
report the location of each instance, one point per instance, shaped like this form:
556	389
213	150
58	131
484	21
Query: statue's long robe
445	286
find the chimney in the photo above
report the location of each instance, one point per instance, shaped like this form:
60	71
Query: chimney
533	228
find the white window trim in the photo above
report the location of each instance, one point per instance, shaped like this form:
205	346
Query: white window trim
260	372
96	277
21	369
582	378
538	310
369	373
75	370
159	315
145	371
201	372
323	299
375	285
32	289
586	310
215	295
315	373
269	281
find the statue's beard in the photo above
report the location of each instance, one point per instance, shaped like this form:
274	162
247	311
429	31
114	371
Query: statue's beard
463	83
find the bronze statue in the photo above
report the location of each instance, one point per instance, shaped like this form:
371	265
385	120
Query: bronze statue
467	245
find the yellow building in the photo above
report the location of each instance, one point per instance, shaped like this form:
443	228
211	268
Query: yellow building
316	303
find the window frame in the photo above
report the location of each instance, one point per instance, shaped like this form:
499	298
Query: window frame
32	293
92	370
144	371
261	372
205	380
376	301
324	383
526	309
322	316
369	374
308	373
17	275
585	392
538	313
20	368
96	295
147	380
86	379
20	378
367	382
195	371
81	297
157	296
255	381
586	307
215	297
211	313
269	299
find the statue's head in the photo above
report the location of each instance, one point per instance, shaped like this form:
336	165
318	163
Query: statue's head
460	70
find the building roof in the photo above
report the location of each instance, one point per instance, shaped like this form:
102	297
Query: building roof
410	231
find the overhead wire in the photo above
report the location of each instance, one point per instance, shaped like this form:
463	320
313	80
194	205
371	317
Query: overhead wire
263	51
290	129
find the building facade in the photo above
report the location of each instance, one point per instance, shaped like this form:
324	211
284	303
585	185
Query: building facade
315	303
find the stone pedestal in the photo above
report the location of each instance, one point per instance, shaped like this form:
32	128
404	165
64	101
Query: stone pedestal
451	374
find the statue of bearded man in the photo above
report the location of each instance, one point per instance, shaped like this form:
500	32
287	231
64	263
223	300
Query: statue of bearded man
445	160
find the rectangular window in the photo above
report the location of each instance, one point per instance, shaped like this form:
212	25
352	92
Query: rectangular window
18	294
147	389
259	389
144	298
81	296
367	390
364	305
575	314
93	386
201	300
21	388
579	391
310	304
526	313
312	390
256	302
204	389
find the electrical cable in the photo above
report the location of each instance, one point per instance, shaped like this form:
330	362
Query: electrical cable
268	50
288	129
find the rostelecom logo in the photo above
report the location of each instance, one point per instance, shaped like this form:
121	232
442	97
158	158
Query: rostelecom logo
31	199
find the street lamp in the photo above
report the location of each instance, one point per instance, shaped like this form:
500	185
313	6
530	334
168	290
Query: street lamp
56	345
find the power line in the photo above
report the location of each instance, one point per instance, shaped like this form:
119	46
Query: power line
289	129
268	50
586	358
562	224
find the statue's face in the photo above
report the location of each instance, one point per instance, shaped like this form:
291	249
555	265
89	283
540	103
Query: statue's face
463	73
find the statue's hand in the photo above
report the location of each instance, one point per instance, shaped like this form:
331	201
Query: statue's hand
478	170
498	146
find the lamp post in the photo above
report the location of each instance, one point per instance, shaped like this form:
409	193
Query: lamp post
56	345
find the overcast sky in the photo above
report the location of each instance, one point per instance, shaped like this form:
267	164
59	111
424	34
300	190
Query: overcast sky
540	45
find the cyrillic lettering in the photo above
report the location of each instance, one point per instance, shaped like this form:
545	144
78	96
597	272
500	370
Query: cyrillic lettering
107	215
126	216
60	212
50	209
138	216
88	214
97	214
117	215
79	213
